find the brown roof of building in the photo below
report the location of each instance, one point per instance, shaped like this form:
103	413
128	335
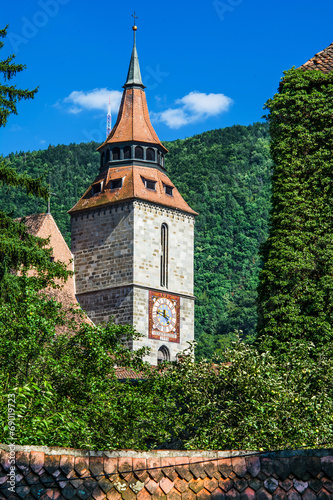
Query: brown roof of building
44	226
322	61
133	122
123	373
33	222
133	187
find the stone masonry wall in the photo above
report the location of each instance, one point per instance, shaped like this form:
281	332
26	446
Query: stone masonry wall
99	305
55	473
147	247
102	244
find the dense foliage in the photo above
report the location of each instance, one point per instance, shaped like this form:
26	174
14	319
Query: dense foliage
68	396
296	284
225	176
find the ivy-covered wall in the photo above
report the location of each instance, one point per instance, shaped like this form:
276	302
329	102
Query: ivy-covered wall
296	286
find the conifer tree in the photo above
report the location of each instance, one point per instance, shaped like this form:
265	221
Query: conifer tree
18	249
296	282
10	94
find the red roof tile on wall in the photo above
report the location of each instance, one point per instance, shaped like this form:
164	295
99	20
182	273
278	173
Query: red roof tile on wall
44	473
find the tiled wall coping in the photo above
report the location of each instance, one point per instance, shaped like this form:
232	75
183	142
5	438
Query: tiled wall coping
50	473
170	453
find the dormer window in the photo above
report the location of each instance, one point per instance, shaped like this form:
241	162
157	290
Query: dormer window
168	189
107	156
96	188
149	184
116	183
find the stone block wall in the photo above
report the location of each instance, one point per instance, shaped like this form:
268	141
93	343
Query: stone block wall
102	244
56	473
117	255
148	220
100	305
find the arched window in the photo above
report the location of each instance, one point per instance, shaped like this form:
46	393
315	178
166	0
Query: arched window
163	354
116	154
127	152
150	154
164	255
107	156
102	159
139	152
158	157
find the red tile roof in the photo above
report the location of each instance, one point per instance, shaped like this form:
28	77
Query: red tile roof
322	61
133	122
133	188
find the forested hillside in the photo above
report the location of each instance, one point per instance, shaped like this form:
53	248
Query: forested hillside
225	176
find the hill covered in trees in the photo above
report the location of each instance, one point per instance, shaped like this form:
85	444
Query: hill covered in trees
225	176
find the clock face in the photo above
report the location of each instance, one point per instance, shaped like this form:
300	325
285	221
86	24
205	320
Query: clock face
163	316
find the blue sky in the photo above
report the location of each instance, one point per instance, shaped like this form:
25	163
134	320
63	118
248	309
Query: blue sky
206	64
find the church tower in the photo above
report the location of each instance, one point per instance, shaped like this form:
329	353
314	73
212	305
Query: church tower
132	234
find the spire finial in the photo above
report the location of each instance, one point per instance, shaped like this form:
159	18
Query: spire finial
134	74
134	27
135	17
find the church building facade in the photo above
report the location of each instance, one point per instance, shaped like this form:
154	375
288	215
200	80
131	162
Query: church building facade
133	234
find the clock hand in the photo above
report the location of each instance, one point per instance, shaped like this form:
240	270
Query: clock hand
166	316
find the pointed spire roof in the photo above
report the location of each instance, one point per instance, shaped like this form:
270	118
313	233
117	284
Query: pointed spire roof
134	73
133	122
132	126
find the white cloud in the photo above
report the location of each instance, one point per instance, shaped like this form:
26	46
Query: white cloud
194	107
96	99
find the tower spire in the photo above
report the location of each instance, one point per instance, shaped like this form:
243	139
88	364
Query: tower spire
134	73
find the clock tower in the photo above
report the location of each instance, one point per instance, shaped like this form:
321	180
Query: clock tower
132	234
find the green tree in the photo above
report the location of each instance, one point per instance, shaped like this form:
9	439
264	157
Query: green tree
10	95
296	282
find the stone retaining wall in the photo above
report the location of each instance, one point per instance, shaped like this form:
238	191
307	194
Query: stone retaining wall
51	473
